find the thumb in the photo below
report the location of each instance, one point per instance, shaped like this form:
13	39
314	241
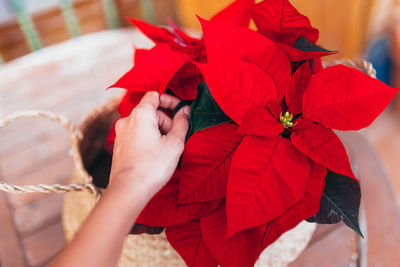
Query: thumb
180	125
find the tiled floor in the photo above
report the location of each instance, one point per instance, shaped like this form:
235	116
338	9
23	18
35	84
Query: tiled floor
70	79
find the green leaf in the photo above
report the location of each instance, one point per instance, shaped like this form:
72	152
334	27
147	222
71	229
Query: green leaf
181	105
204	111
340	201
304	45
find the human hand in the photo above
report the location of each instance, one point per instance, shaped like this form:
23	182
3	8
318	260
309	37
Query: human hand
144	159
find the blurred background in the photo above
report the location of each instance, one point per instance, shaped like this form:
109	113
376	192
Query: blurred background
28	25
60	55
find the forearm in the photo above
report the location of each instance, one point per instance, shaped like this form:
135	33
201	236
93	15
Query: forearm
144	160
100	239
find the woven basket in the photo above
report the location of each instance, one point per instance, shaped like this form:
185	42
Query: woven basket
87	142
144	249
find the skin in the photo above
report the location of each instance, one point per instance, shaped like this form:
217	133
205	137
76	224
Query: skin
144	160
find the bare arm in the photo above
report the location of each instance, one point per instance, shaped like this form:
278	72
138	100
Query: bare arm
144	160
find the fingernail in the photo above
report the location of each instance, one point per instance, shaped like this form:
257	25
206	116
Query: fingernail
155	93
186	110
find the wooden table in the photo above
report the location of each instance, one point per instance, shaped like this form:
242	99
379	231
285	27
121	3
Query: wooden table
70	79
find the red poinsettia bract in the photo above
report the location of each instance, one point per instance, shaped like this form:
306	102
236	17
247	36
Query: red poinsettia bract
338	97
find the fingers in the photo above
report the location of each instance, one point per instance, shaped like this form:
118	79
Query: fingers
168	101
152	120
145	112
150	99
164	122
180	125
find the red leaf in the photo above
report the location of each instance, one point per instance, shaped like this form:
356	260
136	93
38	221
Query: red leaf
297	55
175	38
238	86
185	81
222	39
302	210
296	88
282	23
164	210
240	250
275	109
186	239
344	98
323	146
205	163
260	122
152	70
267	176
140	55
238	13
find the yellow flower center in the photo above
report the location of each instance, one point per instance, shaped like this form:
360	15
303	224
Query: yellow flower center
286	119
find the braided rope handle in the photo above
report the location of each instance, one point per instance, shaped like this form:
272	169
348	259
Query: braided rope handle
42	188
74	136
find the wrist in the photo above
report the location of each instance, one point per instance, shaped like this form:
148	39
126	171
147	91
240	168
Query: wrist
131	187
128	204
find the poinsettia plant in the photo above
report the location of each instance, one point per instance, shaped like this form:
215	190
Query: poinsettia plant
261	154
